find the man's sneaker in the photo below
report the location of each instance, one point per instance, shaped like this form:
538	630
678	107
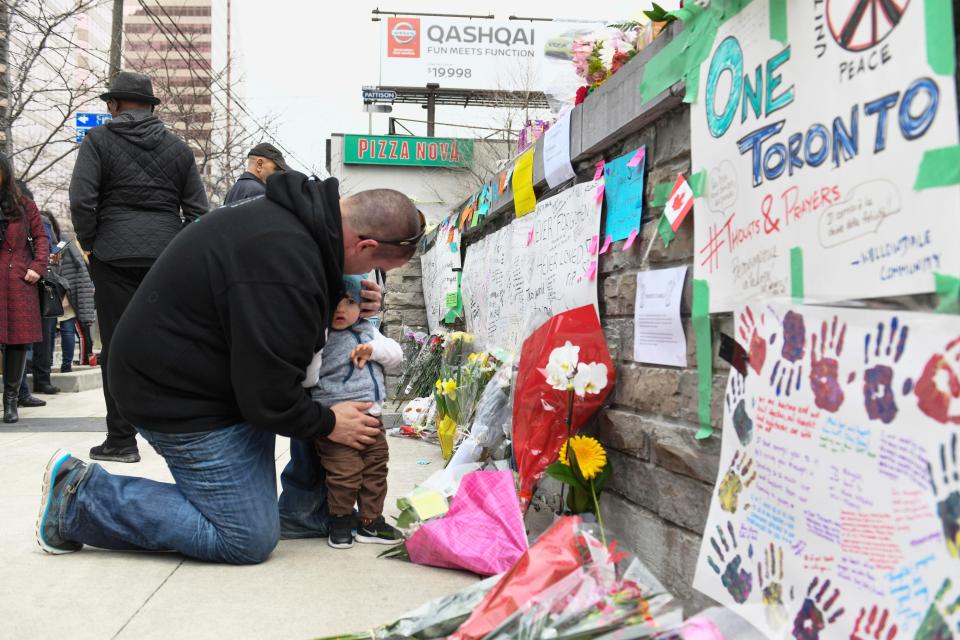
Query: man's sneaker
62	475
115	454
378	532
341	535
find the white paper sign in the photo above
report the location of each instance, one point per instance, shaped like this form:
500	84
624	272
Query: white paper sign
812	149
439	278
836	512
518	277
556	153
658	336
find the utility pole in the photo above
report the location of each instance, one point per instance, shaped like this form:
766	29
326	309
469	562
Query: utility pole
116	38
229	141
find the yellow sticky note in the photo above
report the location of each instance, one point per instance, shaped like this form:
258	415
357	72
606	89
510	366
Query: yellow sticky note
427	503
524	199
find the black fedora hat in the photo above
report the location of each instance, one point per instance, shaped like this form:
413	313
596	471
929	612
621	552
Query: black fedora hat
131	86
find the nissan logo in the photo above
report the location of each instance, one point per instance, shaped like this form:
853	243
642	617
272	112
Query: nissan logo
403	33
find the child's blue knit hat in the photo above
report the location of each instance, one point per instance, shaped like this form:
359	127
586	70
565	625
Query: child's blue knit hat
353	286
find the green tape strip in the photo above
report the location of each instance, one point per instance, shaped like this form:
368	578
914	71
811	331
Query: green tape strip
693	86
939	168
948	290
778	21
665	231
701	331
940	41
796	273
664	69
660	194
698	183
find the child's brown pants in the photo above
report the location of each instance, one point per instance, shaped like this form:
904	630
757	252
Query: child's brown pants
355	477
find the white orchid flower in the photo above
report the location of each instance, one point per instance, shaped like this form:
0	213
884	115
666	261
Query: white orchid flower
557	377
591	378
566	358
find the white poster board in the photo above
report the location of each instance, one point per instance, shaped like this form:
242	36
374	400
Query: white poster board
837	501
518	277
812	149
439	279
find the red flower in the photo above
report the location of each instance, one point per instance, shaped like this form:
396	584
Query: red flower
581	94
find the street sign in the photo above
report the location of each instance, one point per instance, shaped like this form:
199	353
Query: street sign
407	150
88	120
376	95
377	108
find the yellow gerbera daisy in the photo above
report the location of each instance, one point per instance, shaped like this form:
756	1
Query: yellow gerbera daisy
591	456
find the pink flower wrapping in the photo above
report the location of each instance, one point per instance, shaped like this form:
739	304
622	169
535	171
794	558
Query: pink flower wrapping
483	532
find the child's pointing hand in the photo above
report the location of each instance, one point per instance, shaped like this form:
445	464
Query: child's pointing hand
360	354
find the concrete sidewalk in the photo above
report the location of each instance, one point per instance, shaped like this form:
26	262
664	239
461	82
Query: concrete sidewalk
306	589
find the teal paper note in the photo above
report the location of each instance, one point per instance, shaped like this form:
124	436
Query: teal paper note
624	193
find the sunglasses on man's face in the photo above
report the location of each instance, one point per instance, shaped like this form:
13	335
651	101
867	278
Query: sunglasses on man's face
407	241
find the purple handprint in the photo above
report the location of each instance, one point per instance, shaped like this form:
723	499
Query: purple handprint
878	395
824	369
788	371
812	617
737	406
737	580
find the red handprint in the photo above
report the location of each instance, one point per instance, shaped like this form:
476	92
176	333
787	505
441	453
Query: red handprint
870	627
750	334
938	387
824	371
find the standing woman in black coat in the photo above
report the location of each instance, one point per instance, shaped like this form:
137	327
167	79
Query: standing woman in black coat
79	310
20	226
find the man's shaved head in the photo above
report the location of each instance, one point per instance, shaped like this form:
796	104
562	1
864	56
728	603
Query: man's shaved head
383	214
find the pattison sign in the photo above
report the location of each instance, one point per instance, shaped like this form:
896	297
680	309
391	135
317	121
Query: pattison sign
407	150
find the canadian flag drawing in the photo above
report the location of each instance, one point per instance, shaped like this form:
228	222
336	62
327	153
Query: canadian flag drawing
679	203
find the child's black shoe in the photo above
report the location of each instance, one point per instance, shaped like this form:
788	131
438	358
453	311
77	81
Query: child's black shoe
341	532
378	532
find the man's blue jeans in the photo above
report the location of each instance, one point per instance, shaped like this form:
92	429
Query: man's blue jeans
223	507
303	503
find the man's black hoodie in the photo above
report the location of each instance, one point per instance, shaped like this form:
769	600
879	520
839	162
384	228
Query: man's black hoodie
223	327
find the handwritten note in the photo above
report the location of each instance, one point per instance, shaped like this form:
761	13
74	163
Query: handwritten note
556	153
439	278
524	199
624	193
840	468
516	278
658	336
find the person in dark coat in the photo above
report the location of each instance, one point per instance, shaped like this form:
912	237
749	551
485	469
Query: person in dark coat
20	225
42	361
78	305
209	365
262	162
135	184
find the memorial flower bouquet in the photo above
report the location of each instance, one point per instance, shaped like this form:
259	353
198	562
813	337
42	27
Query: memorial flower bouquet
417	380
599	55
463	375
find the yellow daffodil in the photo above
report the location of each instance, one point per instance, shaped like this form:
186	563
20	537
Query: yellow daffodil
591	456
446	432
439	385
461	336
449	388
473	357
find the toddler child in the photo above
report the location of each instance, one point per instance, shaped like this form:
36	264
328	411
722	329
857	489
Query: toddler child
351	368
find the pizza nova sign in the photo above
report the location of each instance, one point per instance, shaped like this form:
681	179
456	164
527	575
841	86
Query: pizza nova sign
407	150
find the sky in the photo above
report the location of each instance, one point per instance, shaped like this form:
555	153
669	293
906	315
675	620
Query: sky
304	62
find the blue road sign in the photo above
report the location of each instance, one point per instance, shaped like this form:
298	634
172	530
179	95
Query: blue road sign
88	120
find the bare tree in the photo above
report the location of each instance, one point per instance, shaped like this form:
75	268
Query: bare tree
51	74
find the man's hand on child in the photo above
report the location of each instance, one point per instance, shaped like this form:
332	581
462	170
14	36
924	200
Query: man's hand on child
373	297
354	428
360	354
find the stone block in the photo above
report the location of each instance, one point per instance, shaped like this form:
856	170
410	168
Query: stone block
624	431
620	294
404	300
674	447
653	390
634	479
619	335
673	134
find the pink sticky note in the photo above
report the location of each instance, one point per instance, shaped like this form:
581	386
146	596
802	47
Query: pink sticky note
594	243
630	239
606	245
530	238
637	157
599	197
600	165
591	272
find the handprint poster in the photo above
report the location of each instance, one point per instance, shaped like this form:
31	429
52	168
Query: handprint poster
836	512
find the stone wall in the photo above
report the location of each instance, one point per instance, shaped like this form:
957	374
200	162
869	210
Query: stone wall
404	307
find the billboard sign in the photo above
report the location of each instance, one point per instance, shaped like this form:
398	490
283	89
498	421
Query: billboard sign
407	151
460	53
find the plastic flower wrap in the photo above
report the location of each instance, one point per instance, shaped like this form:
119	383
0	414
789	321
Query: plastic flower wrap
599	55
567	353
464	373
417	380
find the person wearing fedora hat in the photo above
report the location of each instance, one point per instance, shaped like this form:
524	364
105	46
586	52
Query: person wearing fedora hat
262	162
135	183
